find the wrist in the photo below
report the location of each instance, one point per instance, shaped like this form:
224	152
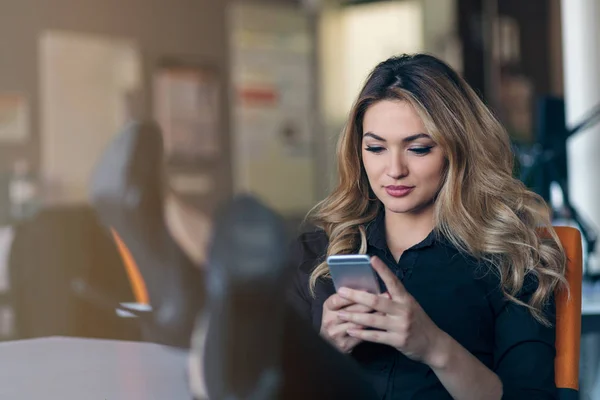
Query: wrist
441	348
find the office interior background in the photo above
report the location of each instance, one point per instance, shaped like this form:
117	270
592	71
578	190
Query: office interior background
250	96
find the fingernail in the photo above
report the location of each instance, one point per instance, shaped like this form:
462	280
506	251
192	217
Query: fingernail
351	332
344	291
343	314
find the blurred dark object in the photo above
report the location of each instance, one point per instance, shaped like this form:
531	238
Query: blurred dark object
50	251
247	275
478	23
515	102
127	194
252	342
546	161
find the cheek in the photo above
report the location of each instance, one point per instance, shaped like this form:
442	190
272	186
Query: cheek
368	164
431	170
374	166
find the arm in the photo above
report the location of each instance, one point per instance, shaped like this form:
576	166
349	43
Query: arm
524	357
298	293
303	256
524	348
524	353
403	324
461	373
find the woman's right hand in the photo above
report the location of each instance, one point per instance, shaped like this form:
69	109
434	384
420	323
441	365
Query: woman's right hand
333	329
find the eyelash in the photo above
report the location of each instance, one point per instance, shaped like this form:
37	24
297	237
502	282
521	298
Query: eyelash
419	151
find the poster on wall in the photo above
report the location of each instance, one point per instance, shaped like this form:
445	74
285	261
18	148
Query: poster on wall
272	102
186	106
88	87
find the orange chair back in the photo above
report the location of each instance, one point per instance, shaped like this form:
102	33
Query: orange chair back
568	313
138	285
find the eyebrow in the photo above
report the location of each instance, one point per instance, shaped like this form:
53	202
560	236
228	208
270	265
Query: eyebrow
407	139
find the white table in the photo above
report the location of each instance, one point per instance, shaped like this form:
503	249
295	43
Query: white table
60	368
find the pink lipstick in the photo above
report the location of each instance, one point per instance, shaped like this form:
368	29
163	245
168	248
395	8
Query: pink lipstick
398	191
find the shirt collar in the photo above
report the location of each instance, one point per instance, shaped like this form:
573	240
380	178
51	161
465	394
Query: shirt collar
375	231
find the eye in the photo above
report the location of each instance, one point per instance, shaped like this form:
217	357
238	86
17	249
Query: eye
374	149
421	151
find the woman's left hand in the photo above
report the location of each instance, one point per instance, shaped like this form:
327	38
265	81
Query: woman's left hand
400	321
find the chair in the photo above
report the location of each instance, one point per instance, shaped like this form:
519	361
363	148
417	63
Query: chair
167	287
568	317
136	280
52	254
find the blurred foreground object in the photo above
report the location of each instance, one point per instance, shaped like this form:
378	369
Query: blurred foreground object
246	282
238	337
126	190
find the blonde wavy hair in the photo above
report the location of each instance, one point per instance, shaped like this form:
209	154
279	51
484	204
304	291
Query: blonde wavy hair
481	208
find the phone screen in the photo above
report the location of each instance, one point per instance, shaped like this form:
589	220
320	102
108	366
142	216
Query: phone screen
353	271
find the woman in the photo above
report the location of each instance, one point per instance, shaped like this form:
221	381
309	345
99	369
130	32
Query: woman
426	188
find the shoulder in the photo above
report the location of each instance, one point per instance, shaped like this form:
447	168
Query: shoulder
306	252
308	249
502	303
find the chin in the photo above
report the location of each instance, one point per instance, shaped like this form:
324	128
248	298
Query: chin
397	210
398	207
406	206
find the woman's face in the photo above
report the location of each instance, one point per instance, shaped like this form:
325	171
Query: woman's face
403	164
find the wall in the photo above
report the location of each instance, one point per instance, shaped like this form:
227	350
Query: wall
191	28
348	34
273	119
440	31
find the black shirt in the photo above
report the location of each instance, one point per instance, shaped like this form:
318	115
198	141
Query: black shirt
463	297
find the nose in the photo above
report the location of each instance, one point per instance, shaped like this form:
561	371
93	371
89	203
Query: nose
397	167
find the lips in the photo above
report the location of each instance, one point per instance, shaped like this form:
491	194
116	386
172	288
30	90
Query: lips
398	191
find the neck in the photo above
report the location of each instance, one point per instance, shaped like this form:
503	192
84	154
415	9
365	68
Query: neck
404	230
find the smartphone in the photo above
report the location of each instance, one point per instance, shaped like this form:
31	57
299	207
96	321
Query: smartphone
353	271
